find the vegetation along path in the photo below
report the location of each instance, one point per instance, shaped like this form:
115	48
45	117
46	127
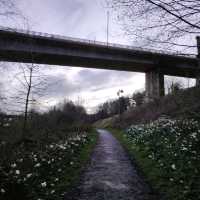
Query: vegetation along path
111	175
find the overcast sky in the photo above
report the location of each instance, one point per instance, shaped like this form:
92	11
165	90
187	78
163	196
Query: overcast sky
82	19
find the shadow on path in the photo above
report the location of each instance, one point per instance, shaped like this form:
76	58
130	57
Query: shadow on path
111	175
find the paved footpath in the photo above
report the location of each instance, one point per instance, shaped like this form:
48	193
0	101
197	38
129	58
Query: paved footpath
111	175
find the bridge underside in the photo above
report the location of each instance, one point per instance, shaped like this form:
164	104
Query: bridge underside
20	47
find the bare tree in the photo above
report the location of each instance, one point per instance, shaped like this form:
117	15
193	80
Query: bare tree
7	8
155	22
29	86
32	84
10	11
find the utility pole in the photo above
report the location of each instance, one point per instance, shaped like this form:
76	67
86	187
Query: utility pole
108	20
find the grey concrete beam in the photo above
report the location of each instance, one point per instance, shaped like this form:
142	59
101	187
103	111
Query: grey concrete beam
18	47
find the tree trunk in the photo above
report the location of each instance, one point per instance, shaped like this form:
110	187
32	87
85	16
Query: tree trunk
27	105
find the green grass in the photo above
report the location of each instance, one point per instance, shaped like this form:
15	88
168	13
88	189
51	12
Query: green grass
46	173
148	169
177	181
73	173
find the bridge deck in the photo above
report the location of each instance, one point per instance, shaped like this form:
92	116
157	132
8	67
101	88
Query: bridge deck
25	46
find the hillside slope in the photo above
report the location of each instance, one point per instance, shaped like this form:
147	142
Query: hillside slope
183	104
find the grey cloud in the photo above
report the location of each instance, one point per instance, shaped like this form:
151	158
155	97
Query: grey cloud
95	80
60	86
85	80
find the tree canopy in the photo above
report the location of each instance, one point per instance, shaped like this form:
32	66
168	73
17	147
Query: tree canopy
168	23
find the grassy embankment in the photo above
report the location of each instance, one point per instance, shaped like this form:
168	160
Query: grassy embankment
145	166
167	153
73	172
44	172
180	105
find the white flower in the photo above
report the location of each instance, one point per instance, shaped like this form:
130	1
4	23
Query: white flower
17	172
173	166
71	163
194	135
52	191
29	175
59	170
2	190
37	165
44	184
184	149
13	165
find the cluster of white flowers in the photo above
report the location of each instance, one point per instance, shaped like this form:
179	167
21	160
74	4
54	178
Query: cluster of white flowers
173	145
42	169
44	184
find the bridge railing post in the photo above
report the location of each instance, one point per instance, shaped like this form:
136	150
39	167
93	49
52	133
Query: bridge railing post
198	57
154	85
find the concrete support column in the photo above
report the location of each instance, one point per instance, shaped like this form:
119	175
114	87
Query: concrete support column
198	56
154	85
197	82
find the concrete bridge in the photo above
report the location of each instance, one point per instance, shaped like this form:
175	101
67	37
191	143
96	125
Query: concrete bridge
41	48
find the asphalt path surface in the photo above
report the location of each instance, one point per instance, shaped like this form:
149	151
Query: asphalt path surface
111	175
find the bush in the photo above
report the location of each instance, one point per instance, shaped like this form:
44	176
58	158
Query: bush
181	104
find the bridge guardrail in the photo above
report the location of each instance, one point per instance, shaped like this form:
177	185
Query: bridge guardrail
56	36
